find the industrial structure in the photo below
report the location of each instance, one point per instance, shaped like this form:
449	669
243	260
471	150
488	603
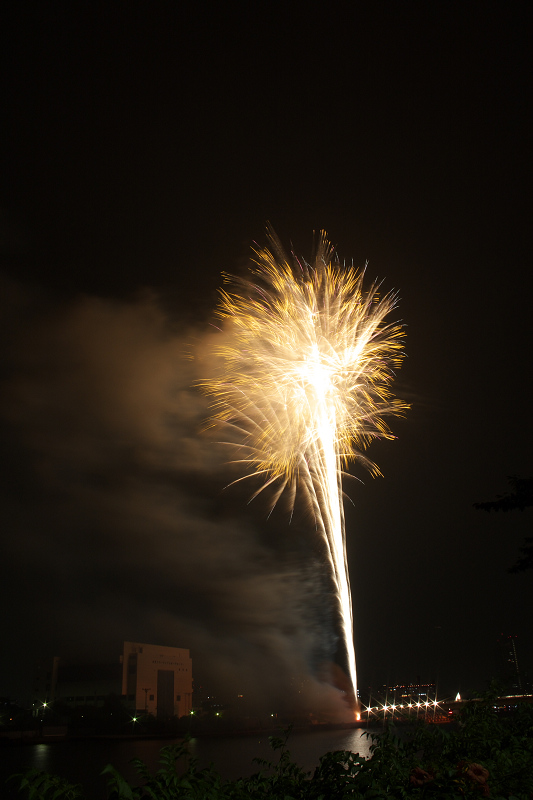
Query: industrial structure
509	671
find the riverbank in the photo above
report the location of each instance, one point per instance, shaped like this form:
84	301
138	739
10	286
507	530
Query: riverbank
487	750
82	760
61	734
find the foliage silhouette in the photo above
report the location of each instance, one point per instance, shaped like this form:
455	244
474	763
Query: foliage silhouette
520	498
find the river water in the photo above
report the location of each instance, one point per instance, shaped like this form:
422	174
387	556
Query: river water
83	761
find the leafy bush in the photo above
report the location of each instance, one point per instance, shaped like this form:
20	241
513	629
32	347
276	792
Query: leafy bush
484	755
43	786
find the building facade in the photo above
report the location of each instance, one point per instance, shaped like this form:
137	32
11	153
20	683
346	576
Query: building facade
80	684
157	680
408	692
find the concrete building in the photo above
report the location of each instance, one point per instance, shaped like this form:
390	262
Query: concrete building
157	680
408	692
149	678
82	684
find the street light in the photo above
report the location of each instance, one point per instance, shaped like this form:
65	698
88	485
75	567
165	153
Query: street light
146	699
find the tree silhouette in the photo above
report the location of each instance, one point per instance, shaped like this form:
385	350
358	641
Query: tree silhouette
520	498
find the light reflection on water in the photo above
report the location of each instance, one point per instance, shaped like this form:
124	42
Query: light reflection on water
305	749
41	756
83	761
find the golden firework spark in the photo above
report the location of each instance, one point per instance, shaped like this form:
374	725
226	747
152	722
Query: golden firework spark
308	360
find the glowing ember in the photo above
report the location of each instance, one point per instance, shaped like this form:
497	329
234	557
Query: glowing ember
308	360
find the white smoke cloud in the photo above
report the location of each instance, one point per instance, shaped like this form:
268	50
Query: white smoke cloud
120	527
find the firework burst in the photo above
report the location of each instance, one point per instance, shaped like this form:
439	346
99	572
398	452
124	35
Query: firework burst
308	360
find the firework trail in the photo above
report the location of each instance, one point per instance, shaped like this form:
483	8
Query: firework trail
307	363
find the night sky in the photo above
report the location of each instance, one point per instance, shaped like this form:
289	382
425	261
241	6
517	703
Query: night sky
145	147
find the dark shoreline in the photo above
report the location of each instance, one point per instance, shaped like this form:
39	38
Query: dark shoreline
22	738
